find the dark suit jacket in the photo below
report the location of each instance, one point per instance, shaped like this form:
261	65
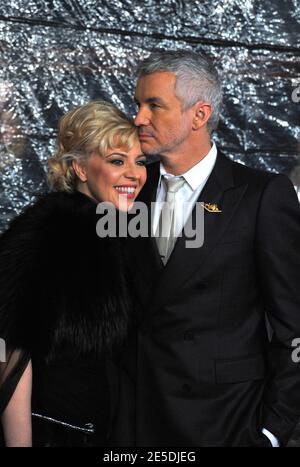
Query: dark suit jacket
207	373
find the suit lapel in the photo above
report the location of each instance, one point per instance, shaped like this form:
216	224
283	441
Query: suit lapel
221	190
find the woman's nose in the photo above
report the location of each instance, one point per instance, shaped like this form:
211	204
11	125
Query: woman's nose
132	172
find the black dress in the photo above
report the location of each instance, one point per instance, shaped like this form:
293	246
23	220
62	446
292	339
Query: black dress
64	303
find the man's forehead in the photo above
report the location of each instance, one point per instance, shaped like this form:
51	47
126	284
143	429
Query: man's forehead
154	84
159	77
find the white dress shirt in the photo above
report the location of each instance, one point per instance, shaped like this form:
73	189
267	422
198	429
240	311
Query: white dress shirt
188	194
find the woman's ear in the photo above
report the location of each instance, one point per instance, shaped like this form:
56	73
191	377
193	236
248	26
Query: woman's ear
202	112
80	170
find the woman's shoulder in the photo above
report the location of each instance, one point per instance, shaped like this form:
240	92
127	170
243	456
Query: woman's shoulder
50	210
55	225
57	203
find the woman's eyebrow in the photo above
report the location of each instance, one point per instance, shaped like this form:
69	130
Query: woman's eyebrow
123	154
116	153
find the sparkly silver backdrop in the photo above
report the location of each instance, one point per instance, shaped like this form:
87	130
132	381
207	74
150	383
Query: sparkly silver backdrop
57	54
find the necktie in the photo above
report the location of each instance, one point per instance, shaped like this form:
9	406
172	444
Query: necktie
166	232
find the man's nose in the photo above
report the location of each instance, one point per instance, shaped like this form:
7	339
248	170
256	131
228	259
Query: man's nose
142	118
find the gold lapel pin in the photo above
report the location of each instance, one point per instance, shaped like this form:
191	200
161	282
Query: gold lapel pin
211	207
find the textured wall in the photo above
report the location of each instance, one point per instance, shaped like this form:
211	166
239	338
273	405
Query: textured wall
56	54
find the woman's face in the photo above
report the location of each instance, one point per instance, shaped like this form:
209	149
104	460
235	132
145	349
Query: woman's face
117	177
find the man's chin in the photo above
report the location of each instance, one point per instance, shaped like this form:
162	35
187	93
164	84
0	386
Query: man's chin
149	150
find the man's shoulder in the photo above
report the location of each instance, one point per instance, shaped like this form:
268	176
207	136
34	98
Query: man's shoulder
243	173
239	168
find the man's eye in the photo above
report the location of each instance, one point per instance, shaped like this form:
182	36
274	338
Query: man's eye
153	106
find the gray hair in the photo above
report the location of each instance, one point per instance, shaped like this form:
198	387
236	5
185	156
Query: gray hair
196	78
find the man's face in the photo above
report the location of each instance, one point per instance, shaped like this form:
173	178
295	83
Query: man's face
163	127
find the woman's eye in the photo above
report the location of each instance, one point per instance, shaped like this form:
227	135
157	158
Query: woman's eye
116	161
142	162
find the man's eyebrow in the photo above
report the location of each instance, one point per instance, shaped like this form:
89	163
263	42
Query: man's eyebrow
151	100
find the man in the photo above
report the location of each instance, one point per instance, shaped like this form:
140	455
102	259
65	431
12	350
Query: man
208	372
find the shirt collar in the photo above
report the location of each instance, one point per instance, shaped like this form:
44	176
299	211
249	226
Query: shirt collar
198	174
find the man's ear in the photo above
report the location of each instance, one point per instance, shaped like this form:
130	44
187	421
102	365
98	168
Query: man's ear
80	170
202	112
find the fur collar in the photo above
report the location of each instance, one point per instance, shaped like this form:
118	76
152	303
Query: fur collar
62	288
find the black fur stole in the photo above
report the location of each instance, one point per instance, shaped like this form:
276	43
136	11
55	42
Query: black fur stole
62	288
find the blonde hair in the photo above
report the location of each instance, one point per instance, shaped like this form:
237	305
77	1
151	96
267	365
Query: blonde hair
93	127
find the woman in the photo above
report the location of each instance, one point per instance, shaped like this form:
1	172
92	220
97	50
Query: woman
64	303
